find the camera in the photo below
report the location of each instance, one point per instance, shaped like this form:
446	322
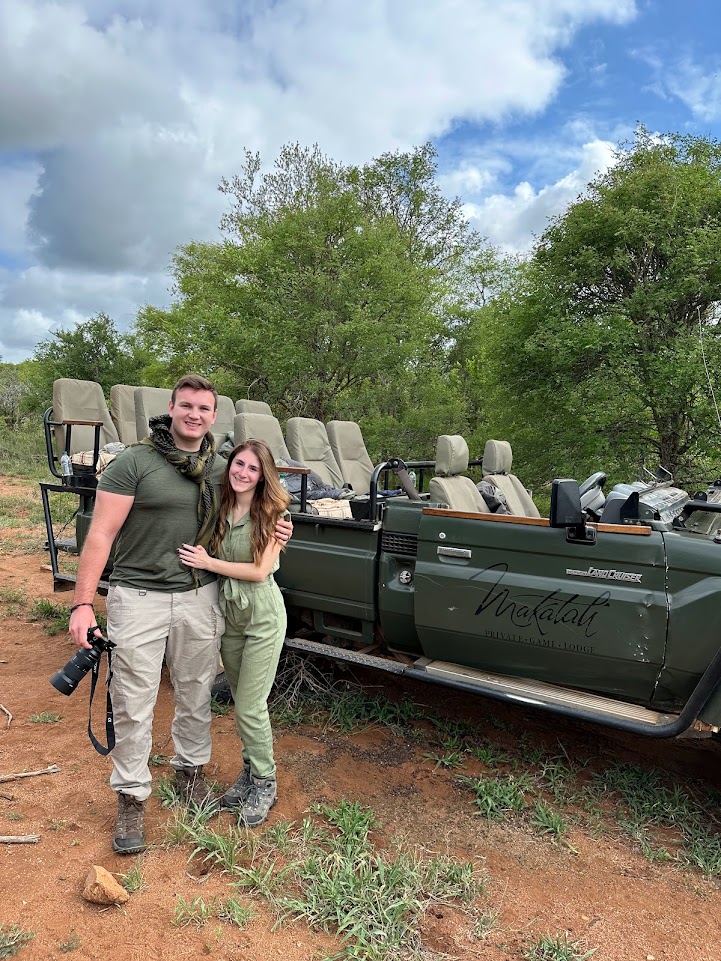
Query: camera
67	678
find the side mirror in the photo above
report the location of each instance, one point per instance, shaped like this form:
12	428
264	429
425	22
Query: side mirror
566	511
566	504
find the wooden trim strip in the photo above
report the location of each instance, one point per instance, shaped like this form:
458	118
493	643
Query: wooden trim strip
533	521
641	529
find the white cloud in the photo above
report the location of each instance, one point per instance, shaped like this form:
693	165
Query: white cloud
21	330
512	221
62	79
476	174
37	301
699	88
124	201
126	113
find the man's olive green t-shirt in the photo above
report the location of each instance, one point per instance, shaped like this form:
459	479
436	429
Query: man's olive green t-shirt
164	515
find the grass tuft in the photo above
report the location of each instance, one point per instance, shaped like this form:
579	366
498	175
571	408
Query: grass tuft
195	911
12	938
547	821
133	880
556	948
228	849
220	708
233	911
339	882
71	943
645	805
496	797
55	617
46	717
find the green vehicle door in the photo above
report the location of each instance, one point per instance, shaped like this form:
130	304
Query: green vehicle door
513	596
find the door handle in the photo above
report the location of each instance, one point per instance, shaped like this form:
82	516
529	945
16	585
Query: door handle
453	552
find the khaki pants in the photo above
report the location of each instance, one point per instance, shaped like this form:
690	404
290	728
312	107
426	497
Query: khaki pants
251	648
147	626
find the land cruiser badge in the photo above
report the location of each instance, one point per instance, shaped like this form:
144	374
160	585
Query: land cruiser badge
611	575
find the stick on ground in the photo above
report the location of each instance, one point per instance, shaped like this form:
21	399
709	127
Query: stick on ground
5	711
53	769
20	839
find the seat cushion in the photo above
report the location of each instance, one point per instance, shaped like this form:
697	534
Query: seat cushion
122	412
496	469
308	442
81	400
458	494
349	450
262	427
497	457
224	419
517	497
245	406
451	455
149	402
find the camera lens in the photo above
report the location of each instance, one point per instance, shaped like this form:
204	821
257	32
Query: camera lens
67	678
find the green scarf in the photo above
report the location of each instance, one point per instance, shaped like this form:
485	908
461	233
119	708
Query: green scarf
195	466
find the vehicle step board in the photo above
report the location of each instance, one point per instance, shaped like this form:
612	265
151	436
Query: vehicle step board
67	544
540	693
345	654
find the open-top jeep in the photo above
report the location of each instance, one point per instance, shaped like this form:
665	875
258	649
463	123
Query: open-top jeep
608	610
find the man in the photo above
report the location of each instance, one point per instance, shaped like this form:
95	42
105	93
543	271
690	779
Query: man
153	497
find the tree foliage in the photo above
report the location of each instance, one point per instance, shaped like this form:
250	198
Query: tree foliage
402	185
14	393
605	353
328	294
94	350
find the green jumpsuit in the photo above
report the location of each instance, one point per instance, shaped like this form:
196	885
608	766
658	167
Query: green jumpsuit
255	626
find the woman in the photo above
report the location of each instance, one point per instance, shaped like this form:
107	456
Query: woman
244	551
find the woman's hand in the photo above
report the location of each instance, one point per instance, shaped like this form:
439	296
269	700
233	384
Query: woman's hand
196	557
283	531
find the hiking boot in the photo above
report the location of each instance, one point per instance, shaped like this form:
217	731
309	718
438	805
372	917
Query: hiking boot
236	796
193	788
261	798
129	825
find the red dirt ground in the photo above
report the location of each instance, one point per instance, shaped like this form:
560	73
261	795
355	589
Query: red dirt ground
606	893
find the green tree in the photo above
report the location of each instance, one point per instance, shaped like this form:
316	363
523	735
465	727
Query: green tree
14	391
94	350
328	295
402	185
605	355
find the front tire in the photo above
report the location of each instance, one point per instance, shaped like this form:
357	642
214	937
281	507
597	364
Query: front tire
220	691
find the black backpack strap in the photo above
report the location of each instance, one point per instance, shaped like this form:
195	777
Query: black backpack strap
109	725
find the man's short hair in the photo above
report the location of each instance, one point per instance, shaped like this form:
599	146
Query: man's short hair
195	382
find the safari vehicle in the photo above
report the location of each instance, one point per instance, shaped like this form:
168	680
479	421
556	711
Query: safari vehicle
608	610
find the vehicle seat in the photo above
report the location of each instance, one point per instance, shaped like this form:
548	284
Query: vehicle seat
262	427
81	400
252	407
349	450
224	419
149	402
450	486
496	468
122	412
308	443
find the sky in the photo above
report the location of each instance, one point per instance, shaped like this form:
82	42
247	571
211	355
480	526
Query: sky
118	119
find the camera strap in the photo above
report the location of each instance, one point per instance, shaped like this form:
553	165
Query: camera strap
109	724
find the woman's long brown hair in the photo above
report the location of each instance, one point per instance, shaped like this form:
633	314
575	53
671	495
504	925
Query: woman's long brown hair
269	500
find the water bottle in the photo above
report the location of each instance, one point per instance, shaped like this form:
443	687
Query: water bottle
66	468
412	475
